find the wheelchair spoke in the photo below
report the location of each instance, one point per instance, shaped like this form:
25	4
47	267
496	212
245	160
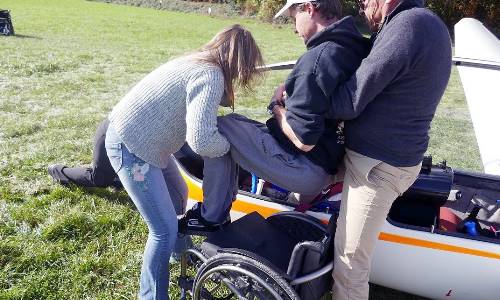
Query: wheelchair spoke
218	287
231	277
214	289
234	289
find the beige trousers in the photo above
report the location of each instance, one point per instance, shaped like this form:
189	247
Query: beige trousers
370	188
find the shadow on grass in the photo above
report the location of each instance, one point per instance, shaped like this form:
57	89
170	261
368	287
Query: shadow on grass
23	36
117	196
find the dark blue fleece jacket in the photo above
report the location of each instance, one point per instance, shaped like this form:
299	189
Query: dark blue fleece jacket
392	97
332	57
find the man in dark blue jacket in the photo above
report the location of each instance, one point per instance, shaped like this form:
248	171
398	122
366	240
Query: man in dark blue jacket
299	148
388	105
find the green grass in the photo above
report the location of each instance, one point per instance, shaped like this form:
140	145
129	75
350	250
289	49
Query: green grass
69	64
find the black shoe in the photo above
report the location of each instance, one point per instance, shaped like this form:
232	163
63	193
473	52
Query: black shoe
56	171
193	223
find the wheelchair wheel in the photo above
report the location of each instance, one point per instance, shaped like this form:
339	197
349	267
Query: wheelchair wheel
228	276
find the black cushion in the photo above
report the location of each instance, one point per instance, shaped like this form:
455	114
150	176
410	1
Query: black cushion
254	234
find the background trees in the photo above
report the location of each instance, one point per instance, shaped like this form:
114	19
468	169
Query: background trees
451	11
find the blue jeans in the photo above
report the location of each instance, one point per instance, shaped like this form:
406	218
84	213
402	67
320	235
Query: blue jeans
147	187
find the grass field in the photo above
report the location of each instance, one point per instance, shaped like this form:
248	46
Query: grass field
70	62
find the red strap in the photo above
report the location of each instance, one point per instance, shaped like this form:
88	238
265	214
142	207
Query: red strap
302	207
326	193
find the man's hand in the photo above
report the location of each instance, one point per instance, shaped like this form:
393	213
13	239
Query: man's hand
280	95
279	113
278	99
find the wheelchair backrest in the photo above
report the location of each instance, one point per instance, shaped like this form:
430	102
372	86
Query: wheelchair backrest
310	256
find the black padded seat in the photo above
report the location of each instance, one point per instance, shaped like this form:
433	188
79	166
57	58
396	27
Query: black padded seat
254	234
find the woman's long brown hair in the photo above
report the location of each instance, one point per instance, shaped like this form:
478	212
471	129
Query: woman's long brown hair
235	51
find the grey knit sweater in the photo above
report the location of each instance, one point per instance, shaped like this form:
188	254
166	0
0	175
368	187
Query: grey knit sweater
175	103
391	99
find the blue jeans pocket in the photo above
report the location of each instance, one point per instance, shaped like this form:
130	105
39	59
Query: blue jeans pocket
115	155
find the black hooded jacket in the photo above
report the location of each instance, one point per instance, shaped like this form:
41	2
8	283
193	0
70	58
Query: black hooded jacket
332	57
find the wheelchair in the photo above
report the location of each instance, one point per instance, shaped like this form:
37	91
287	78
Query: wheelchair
288	256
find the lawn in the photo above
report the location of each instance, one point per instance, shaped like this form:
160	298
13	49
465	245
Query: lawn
70	62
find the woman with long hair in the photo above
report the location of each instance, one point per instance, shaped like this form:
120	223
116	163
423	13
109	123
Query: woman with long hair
174	104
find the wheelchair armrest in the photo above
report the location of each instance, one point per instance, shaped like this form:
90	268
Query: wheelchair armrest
306	257
314	275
